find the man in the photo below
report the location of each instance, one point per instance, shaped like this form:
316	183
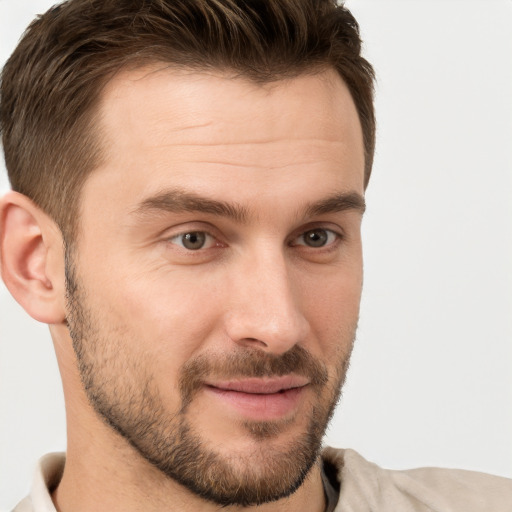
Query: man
189	185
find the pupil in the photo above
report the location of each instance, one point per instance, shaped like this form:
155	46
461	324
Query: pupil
194	240
316	238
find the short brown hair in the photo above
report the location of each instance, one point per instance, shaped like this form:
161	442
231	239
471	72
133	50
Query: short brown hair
52	82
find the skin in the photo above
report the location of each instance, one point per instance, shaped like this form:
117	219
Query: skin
268	151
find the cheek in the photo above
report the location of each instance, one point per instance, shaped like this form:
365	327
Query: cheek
332	307
171	315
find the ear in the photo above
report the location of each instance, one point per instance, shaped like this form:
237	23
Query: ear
32	258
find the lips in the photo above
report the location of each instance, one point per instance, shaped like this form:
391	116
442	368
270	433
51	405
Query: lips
260	399
265	386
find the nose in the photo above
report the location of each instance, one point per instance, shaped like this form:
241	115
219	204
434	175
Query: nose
265	310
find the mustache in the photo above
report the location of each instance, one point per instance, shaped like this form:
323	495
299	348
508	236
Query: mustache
249	363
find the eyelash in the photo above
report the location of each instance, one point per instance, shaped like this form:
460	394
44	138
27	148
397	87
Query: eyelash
194	235
332	238
180	236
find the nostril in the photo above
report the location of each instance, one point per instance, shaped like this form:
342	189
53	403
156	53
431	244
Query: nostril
252	342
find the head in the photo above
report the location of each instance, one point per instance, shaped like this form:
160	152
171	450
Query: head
197	173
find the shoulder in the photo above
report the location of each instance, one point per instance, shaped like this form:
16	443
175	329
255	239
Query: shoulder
24	506
46	477
364	486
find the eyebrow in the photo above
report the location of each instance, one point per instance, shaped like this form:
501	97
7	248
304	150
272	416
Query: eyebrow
338	203
181	201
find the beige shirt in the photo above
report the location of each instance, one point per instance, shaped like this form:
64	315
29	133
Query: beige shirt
362	487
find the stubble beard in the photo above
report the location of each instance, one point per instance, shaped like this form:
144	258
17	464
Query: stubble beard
125	395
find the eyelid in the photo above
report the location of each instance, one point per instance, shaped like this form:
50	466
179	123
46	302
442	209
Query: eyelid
207	245
337	232
174	233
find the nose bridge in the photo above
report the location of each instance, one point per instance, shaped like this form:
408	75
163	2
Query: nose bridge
266	306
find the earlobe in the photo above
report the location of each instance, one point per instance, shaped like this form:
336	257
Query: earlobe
31	258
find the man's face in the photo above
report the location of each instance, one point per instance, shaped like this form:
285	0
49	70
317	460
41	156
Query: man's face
214	287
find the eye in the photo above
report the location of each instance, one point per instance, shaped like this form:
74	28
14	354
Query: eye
318	237
193	240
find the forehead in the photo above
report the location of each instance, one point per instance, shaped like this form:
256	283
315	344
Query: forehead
157	102
164	128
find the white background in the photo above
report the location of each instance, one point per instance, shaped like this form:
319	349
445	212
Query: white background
431	380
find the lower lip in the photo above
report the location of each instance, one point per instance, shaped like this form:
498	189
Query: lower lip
260	407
